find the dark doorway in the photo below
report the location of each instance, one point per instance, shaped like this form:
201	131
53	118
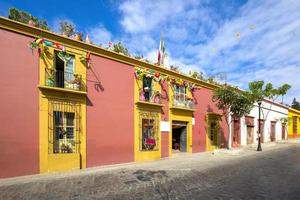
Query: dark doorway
59	73
273	131
179	136
283	125
236	138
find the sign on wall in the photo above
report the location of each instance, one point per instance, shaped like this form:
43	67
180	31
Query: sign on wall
165	126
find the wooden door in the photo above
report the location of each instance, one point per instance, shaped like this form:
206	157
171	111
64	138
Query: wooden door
183	139
250	134
273	130
283	131
236	133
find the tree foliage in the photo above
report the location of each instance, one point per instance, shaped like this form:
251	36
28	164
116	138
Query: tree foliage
120	48
233	102
259	90
197	75
25	17
67	28
295	104
175	68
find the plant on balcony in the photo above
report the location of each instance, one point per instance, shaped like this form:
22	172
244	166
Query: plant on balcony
63	55
156	97
142	96
76	82
189	102
85	59
50	77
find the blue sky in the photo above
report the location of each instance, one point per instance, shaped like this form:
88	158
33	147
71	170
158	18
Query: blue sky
199	35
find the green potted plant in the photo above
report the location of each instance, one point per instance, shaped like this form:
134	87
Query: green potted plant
50	77
76	82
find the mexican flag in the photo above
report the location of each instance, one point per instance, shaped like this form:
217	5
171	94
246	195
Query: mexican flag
161	52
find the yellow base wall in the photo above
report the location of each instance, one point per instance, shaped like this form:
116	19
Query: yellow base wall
293	113
140	155
50	162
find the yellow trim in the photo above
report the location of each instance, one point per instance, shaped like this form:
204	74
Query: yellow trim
96	50
61	90
180	114
60	162
293	113
150	104
185	109
145	107
209	118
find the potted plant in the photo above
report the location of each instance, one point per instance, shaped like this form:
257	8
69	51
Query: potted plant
76	82
50	77
156	97
78	36
50	81
189	102
142	95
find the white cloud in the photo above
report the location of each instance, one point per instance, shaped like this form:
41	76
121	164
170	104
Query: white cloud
99	35
200	35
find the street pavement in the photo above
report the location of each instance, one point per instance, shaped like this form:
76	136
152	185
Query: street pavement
273	173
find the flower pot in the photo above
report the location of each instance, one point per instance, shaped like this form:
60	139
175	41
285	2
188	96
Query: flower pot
31	23
157	99
88	40
77	86
78	37
50	82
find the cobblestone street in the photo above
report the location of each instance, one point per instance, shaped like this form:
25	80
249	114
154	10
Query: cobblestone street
271	174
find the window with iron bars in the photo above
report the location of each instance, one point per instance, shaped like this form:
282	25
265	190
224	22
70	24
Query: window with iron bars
180	93
63	127
148	124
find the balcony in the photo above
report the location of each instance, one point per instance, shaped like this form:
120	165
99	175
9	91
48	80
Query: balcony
150	97
182	101
61	79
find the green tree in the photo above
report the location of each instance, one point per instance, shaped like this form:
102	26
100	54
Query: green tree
67	28
175	68
295	104
25	17
260	91
234	103
197	75
120	48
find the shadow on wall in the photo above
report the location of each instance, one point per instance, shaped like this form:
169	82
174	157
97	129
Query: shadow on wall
97	86
97	83
209	109
223	140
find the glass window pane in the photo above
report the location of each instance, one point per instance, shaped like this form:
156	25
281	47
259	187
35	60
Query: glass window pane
148	134
58	120
70	65
70	118
70	133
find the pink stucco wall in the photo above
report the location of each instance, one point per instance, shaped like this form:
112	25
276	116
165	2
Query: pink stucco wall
205	104
110	112
19	107
165	117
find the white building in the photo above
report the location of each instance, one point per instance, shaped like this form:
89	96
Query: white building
245	131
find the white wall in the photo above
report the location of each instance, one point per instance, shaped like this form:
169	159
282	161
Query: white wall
270	112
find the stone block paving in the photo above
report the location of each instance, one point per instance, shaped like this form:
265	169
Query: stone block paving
271	174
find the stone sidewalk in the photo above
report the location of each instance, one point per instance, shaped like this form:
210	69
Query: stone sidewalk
179	161
184	176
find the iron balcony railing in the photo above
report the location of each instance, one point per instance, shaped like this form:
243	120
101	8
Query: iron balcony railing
182	101
62	79
151	96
